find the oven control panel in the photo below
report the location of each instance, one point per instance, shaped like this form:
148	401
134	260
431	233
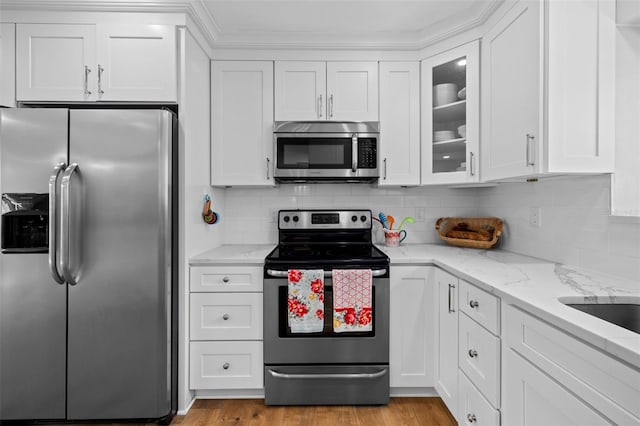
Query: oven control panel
324	219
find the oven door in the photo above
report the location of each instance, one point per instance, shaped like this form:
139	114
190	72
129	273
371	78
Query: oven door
326	347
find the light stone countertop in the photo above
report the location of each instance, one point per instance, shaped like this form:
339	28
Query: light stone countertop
529	283
233	254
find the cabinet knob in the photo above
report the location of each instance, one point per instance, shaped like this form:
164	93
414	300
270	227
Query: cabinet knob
471	418
225	279
226	366
225	317
473	353
474	303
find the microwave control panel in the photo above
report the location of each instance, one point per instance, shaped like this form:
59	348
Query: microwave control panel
367	153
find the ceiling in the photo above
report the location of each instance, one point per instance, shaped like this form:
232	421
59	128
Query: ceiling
342	23
329	24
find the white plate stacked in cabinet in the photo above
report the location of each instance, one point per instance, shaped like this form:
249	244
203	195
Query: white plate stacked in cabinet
478	357
226	327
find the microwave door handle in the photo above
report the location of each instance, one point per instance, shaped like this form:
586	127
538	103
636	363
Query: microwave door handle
53	223
354	153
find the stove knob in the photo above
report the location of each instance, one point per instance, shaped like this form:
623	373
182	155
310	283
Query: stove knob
295	218
363	218
286	219
354	218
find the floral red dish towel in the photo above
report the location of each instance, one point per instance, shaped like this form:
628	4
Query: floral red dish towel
352	290
306	300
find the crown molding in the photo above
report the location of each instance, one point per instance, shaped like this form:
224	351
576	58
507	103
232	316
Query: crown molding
210	30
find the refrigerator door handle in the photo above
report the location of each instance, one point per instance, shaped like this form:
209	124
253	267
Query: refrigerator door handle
65	225
53	223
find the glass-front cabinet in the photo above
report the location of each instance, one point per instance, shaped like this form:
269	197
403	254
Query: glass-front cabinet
450	116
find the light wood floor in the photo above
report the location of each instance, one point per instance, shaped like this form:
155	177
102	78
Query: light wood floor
400	411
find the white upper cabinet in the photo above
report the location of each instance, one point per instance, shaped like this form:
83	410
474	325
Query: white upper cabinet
548	80
58	62
55	62
241	123
450	116
7	65
300	91
338	91
400	118
136	62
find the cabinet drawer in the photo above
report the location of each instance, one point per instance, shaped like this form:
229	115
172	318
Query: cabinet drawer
226	316
226	365
479	358
474	409
609	386
481	306
226	278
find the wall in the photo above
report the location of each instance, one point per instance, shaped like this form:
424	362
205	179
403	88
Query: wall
575	229
195	235
249	215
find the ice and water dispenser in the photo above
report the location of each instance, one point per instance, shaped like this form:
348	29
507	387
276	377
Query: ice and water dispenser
25	223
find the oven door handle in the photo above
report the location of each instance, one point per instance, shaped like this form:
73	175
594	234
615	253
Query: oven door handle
327	274
375	375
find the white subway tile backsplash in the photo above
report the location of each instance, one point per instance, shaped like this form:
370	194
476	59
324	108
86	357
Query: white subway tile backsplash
575	227
250	212
575	224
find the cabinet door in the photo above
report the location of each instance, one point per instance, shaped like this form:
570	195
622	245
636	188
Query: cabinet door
450	116
580	86
7	65
55	62
446	374
412	321
533	398
400	115
512	82
136	63
300	91
241	123
352	91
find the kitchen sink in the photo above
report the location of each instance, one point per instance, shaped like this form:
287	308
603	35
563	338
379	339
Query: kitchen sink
625	315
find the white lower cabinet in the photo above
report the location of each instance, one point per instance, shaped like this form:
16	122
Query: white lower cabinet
226	365
479	358
552	378
473	408
412	324
446	371
225	330
467	363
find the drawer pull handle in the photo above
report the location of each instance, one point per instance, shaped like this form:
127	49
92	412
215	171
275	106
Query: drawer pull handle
471	418
226	366
473	353
225	279
225	317
474	303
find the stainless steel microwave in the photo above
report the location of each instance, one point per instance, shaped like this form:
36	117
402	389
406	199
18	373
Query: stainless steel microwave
326	151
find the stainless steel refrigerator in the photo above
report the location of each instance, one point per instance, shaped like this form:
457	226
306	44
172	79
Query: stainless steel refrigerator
87	273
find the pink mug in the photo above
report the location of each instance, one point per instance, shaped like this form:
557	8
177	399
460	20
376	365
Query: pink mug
392	237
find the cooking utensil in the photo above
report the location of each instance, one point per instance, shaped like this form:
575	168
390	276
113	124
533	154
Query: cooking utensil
407	219
383	219
391	221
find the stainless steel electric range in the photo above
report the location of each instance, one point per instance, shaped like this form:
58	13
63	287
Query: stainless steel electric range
325	367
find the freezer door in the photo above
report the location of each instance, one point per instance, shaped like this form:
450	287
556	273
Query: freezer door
119	363
32	305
